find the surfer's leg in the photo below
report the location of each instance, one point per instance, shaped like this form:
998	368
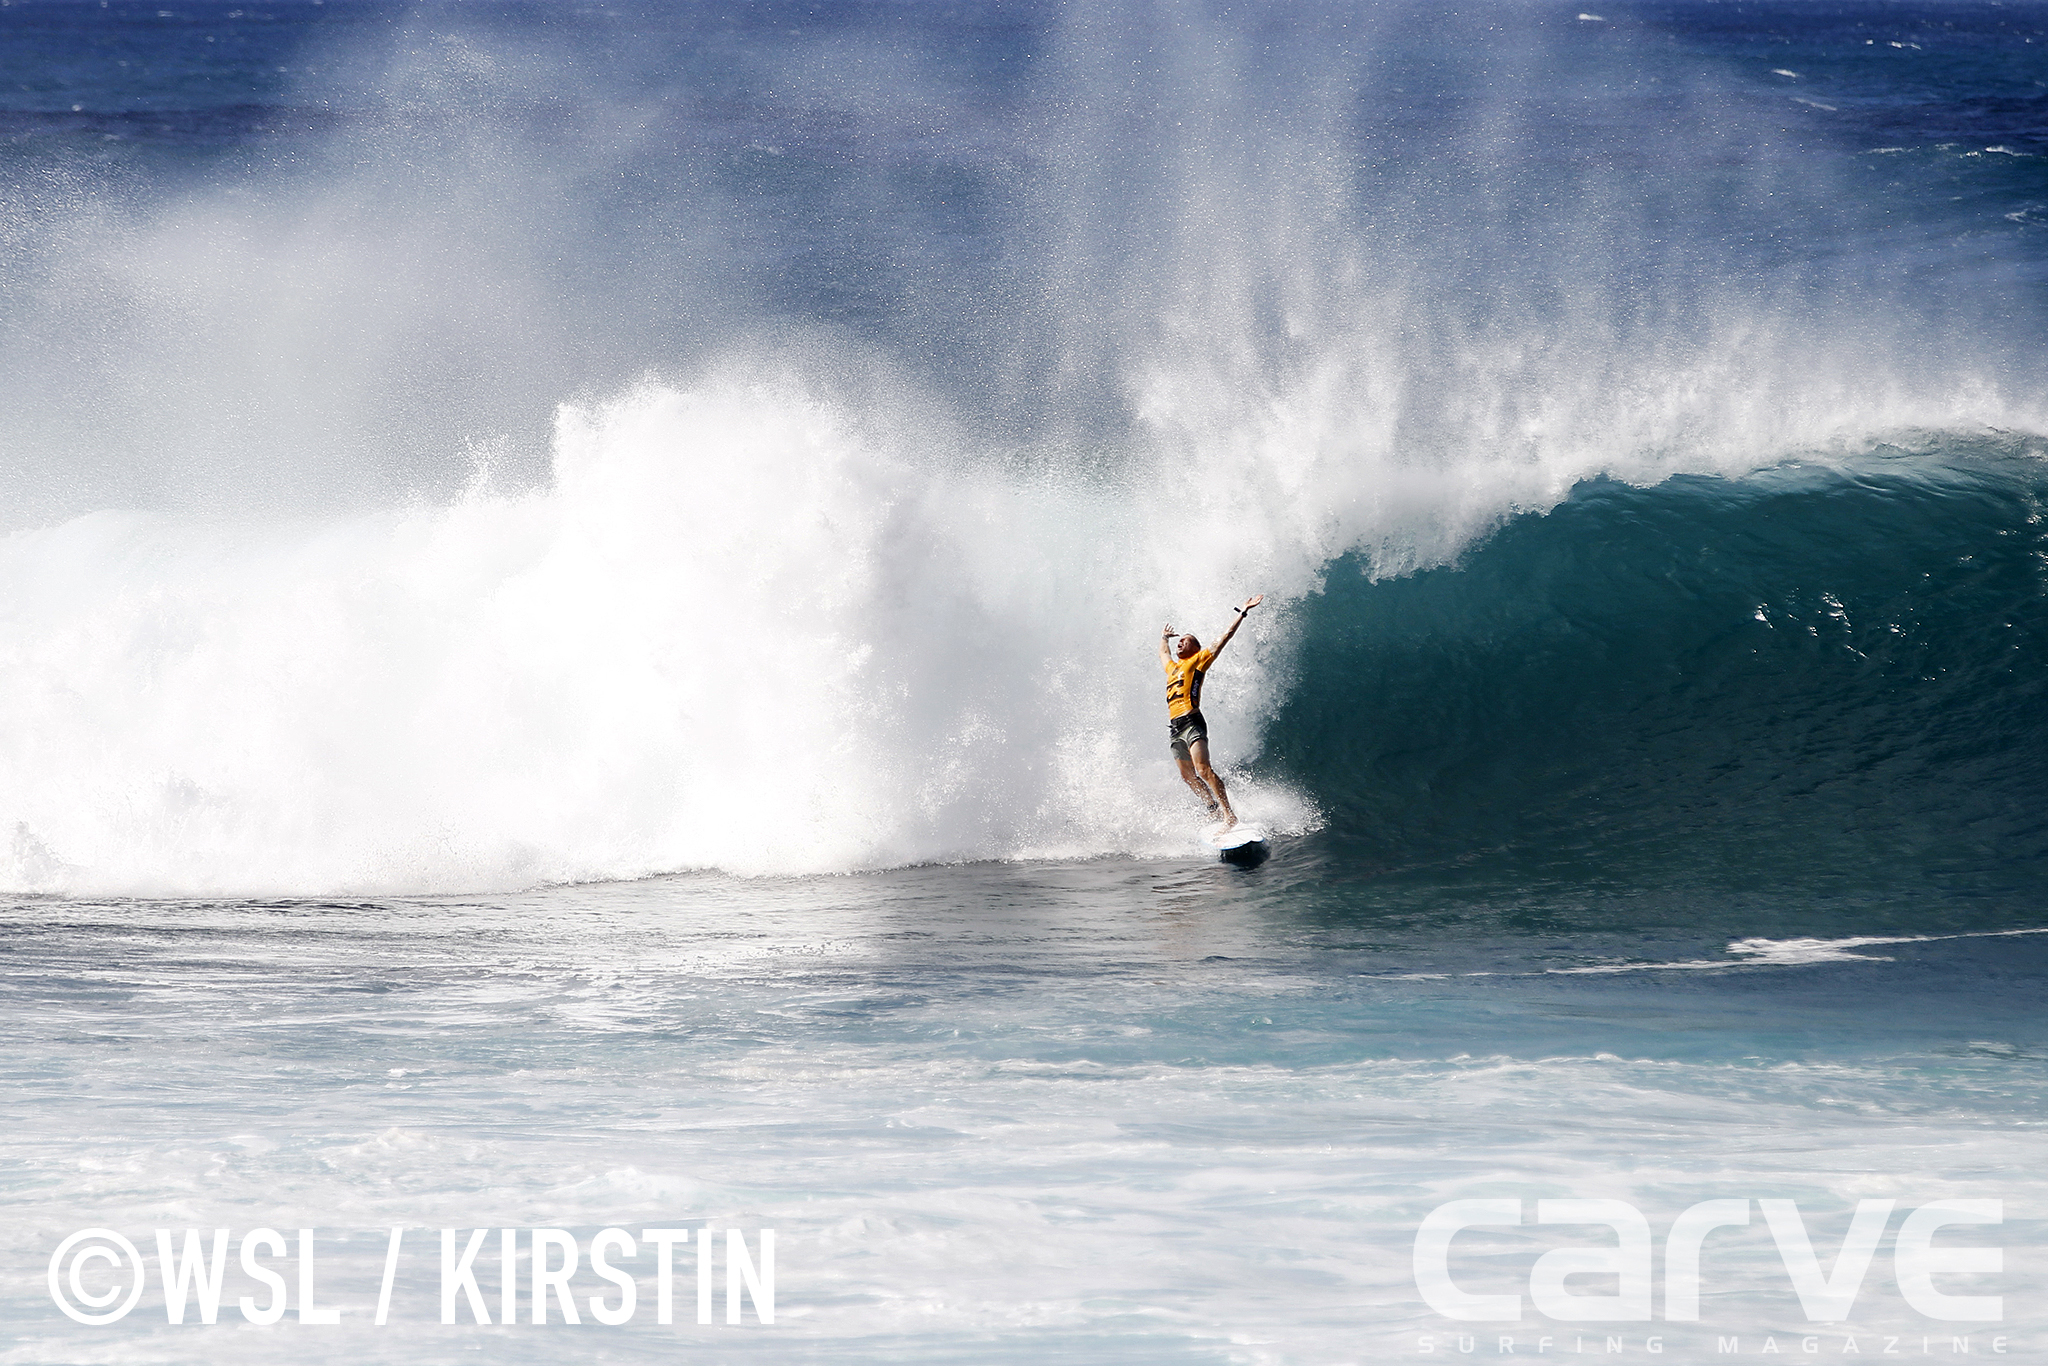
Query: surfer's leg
1187	773
1199	752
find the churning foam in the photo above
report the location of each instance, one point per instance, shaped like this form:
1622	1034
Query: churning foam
733	632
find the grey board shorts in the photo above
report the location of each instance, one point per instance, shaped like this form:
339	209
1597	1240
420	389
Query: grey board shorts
1182	731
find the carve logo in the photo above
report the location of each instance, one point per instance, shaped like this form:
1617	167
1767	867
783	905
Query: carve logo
1629	1262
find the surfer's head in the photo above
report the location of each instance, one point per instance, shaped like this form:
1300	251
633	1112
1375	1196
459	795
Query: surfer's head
1189	647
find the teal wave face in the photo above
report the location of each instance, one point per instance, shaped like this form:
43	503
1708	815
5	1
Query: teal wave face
1812	679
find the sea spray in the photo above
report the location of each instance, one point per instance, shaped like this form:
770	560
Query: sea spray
731	632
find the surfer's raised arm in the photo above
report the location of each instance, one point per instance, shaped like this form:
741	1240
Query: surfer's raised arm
1253	601
1165	655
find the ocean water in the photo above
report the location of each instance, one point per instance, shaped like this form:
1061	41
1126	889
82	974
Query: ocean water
578	587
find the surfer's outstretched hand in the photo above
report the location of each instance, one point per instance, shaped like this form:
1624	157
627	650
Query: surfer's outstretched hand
1253	601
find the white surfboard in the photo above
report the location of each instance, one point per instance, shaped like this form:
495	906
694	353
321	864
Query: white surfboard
1243	843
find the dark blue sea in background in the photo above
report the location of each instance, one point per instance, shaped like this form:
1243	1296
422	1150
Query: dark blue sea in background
577	604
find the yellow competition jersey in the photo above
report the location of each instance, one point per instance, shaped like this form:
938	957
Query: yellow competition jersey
1184	682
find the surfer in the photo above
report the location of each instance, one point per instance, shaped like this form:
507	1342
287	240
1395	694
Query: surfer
1186	731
